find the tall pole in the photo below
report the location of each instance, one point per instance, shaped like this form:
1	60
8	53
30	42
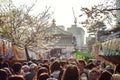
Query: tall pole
75	19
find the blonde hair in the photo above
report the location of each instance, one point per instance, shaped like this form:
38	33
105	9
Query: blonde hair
116	76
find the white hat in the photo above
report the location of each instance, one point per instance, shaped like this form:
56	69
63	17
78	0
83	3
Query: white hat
33	65
26	67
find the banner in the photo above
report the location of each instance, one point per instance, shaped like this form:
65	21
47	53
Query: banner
1	48
10	52
21	54
6	49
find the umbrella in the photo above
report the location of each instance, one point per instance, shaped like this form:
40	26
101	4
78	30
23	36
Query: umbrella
83	54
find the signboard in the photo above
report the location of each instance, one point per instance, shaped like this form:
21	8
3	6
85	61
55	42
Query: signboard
19	53
6	49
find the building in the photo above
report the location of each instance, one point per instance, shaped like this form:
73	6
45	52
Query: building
79	34
65	44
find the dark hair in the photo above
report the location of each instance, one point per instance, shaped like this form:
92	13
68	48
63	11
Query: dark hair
44	76
52	59
110	69
82	61
17	67
5	64
41	70
86	74
62	63
29	63
46	66
46	61
71	73
55	66
16	78
90	66
8	71
117	69
24	63
3	74
105	76
96	72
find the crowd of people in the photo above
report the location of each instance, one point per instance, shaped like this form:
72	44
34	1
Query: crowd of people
59	69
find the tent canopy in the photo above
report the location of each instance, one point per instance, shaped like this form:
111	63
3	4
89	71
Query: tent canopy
83	54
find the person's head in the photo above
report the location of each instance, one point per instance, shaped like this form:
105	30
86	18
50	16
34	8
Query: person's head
24	63
46	66
105	76
5	64
44	76
55	66
25	68
16	77
16	67
41	70
46	61
110	69
90	66
81	64
33	67
52	59
3	74
8	71
115	77
29	63
84	76
98	62
71	73
94	74
117	69
63	64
